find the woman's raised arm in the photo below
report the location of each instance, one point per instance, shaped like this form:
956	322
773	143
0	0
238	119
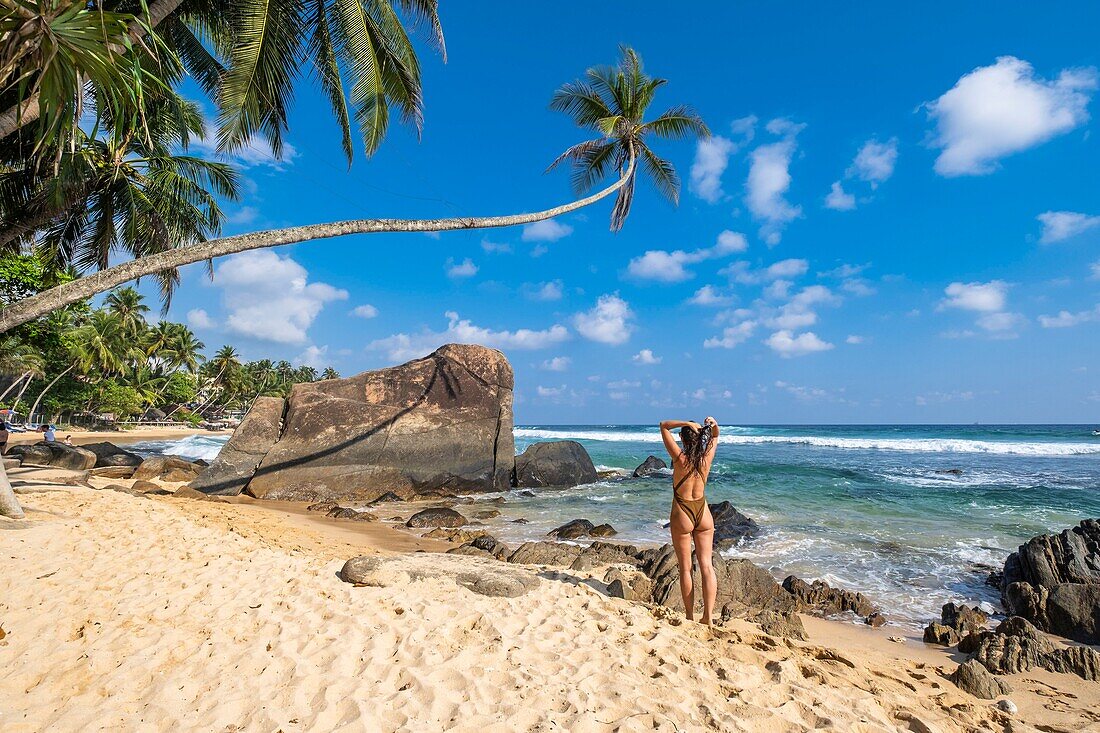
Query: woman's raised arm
671	445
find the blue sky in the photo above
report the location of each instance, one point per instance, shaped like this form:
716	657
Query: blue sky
897	221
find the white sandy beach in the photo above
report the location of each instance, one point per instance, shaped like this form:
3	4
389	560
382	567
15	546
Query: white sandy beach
132	613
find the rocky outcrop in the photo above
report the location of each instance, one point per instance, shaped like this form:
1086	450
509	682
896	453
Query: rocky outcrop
822	599
1054	582
238	459
55	455
344	512
957	623
1017	646
731	526
166	468
109	454
972	677
652	464
579	528
441	423
557	464
436	517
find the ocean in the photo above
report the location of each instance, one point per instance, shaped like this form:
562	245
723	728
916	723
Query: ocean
912	516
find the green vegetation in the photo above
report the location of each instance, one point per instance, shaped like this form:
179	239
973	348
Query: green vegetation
82	362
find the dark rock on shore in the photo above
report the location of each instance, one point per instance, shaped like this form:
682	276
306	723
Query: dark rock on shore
436	517
109	454
958	625
1017	646
487	514
603	530
387	497
441	423
557	464
238	459
731	526
972	677
822	599
545	553
166	468
343	512
1054	582
652	464
112	472
55	455
579	528
951	471
321	506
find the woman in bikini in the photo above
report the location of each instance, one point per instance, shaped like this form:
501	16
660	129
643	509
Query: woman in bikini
691	519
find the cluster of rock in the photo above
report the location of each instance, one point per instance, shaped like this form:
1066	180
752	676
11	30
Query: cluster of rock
106	460
1051	584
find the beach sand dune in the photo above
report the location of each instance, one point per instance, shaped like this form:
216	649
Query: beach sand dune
129	613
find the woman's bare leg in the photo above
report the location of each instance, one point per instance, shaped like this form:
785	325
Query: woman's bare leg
704	547
681	541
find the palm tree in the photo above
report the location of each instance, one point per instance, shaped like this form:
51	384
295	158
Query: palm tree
126	304
101	345
21	361
330	373
147	383
613	101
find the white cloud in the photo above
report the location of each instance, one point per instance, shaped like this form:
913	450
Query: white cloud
783	269
557	364
1065	319
609	322
1059	225
854	340
712	156
549	230
269	297
844	271
804	394
257	152
857	286
708	295
786	344
768	180
402	347
199	318
778	290
995	111
551	290
668	267
874	163
243	216
364	311
732	336
466	268
1000	323
550	391
495	247
985	297
313	356
1094	269
838	200
645	357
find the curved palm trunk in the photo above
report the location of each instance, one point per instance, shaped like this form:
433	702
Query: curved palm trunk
9	505
27	111
34	407
38	305
12	386
21	391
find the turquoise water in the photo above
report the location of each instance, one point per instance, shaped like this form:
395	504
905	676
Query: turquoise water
862	507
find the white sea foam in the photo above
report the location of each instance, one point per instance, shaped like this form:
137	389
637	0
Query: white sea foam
205	447
913	445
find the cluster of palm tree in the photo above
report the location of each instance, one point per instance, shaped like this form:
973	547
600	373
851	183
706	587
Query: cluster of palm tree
112	360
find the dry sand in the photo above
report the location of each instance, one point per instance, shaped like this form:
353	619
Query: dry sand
131	613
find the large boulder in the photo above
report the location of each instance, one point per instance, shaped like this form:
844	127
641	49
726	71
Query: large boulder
55	455
237	461
731	526
556	464
972	677
436	517
441	423
1017	646
652	464
1054	582
166	468
109	454
822	599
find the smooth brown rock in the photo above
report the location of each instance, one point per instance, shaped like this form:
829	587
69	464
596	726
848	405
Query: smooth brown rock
109	454
652	464
112	472
55	455
172	469
441	423
972	677
545	553
238	459
572	530
343	512
436	517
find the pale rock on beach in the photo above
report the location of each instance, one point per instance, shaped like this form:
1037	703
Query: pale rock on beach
126	612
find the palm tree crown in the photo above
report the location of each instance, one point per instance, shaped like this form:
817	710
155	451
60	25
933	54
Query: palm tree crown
613	101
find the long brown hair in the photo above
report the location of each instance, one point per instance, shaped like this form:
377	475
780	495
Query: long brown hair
695	444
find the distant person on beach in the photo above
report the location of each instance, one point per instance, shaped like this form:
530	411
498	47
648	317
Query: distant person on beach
4	438
68	440
49	434
691	519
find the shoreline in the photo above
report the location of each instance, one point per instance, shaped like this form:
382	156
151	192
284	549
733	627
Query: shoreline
118	437
194	603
